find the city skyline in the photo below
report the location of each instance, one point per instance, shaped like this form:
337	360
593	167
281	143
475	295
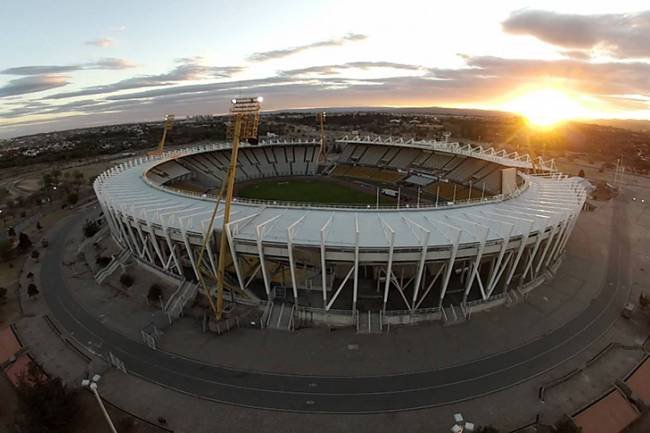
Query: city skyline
90	65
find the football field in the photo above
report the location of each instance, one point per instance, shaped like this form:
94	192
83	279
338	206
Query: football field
317	190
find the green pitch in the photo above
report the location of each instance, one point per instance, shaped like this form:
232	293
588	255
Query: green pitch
309	190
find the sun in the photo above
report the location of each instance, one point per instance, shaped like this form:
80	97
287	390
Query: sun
546	107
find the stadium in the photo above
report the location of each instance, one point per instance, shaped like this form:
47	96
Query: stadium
380	231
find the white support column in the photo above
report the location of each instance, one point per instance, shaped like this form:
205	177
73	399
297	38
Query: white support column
125	235
423	256
235	262
533	254
259	230
356	263
566	238
110	218
551	236
477	262
172	249
211	258
292	265
323	261
154	241
145	248
260	251
190	253
496	272
520	252
389	265
132	238
450	267
567	228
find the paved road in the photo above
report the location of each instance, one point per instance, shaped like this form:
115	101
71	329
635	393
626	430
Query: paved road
343	394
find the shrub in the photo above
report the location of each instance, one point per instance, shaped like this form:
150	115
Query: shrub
644	301
72	198
90	228
567	426
32	290
3	294
127	280
102	261
24	243
488	429
35	254
155	292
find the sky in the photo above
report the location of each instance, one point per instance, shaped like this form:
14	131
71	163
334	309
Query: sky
76	63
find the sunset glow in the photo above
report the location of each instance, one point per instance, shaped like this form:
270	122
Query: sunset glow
547	107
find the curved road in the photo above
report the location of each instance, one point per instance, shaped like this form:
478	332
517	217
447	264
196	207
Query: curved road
343	394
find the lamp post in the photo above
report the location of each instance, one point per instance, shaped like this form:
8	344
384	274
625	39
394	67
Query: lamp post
92	385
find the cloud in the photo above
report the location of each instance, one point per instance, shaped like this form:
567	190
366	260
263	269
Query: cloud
110	63
100	42
32	84
619	35
277	54
104	63
40	69
481	79
336	69
187	70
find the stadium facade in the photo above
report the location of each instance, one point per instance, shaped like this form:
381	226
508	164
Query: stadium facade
439	258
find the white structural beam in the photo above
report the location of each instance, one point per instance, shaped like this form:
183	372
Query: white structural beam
323	259
292	264
259	229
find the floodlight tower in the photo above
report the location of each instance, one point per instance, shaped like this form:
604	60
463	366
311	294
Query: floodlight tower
322	152
244	120
167	126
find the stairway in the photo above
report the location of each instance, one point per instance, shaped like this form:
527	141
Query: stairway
453	315
279	316
370	322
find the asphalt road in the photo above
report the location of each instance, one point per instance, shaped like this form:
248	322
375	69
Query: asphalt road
328	394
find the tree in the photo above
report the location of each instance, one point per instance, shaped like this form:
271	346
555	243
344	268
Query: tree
38	225
155	292
72	198
11	232
6	252
581	173
127	280
35	254
32	290
45	404
90	228
24	243
3	295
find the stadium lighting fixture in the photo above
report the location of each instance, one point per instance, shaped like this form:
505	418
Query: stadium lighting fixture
244	122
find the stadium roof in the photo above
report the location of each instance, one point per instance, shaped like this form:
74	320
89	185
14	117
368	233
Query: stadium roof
541	203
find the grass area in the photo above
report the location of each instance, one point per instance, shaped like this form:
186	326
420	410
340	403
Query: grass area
311	191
